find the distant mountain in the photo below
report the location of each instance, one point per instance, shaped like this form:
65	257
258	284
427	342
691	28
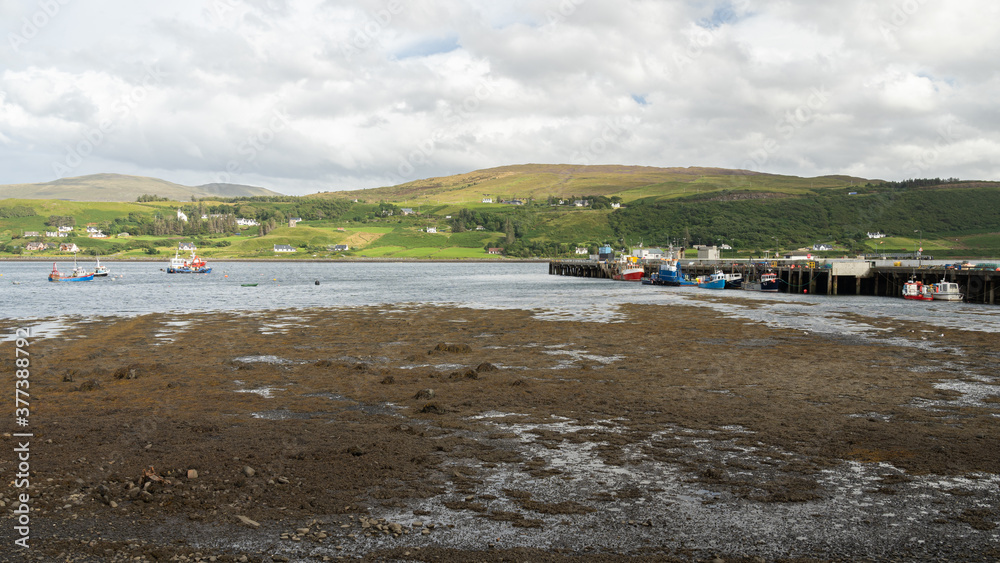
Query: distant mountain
540	181
120	187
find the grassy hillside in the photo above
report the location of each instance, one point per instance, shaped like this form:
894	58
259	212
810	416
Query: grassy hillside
119	187
540	181
749	211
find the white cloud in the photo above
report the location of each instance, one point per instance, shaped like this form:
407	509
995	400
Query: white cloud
329	94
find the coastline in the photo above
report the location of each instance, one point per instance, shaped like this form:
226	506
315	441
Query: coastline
166	258
438	433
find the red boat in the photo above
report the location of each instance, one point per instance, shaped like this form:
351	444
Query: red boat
629	269
918	291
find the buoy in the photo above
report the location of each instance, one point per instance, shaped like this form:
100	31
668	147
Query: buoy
805	291
317	282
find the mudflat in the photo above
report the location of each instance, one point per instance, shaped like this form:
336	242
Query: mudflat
447	434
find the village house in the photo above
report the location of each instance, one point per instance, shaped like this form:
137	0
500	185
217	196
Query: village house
615	205
494	251
876	235
407	211
68	247
65	229
487	200
32	246
822	247
283	248
98	234
123	235
480	228
582	250
31	234
293	221
186	246
338	248
246	222
581	203
181	216
432	229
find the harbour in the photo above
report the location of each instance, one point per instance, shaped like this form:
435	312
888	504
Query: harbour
877	278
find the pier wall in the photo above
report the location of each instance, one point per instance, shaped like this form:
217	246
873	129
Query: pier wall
837	278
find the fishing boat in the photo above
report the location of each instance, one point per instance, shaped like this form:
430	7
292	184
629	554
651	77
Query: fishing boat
192	265
734	281
917	291
670	274
100	271
715	281
629	269
79	274
946	291
767	282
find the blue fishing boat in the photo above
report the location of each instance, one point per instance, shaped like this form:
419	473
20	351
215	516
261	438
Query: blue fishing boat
715	281
670	274
79	274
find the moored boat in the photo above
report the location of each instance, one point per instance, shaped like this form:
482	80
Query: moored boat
767	282
100	271
629	269
734	281
79	274
670	274
946	291
715	281
917	291
192	265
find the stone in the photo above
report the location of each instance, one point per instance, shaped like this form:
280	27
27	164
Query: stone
248	522
283	480
248	471
192	474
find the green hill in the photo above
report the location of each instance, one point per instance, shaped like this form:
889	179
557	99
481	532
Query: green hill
541	181
446	217
119	187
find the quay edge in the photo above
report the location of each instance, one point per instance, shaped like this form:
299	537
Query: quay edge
823	277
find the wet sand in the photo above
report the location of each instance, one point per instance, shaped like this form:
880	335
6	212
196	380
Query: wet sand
448	434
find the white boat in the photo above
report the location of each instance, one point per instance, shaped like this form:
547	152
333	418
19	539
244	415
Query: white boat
100	271
946	291
768	282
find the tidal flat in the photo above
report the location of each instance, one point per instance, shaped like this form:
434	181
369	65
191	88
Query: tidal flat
442	433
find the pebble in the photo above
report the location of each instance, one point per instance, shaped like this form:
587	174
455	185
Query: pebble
248	471
247	521
192	473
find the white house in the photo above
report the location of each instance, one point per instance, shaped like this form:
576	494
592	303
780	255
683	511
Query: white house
181	216
876	235
822	247
65	229
615	205
649	253
283	248
339	248
246	222
487	200
53	234
582	250
407	211
581	203
726	247
92	230
432	229
98	234
186	246
68	247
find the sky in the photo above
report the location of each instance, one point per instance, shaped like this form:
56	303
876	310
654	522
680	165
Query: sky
302	96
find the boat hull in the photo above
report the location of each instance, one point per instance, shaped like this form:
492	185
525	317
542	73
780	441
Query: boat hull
948	296
631	274
714	284
918	297
172	270
89	277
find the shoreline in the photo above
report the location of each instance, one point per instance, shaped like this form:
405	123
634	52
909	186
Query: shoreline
453	434
292	260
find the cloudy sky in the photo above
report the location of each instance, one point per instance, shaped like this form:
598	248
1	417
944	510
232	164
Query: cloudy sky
313	95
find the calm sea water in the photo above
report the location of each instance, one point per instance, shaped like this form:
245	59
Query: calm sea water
139	288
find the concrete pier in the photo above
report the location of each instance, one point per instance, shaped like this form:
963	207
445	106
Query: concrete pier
830	278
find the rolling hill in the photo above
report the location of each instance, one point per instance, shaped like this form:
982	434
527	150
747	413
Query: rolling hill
120	187
540	181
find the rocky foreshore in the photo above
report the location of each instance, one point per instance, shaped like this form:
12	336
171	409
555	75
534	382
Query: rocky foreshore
445	434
